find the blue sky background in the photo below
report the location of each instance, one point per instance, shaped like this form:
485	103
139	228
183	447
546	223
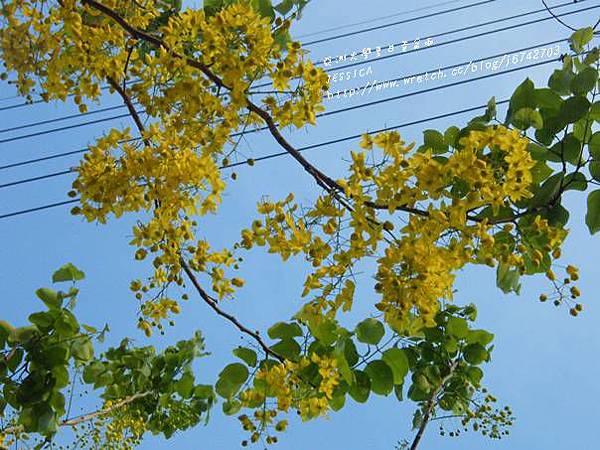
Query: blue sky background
545	363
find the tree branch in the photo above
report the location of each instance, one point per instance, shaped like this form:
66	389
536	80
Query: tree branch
210	301
85	417
429	408
558	19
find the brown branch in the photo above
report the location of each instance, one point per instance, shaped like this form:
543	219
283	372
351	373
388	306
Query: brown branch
85	417
322	180
212	302
127	100
429	408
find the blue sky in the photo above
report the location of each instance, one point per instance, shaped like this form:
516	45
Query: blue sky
544	364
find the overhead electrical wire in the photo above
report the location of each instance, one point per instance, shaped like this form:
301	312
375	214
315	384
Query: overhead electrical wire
59	119
276	155
453	41
342	67
330	113
444	68
20	105
375	19
474	36
327	113
393	24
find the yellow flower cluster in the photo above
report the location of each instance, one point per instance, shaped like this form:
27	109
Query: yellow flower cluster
490	172
121	430
193	88
285	382
329	374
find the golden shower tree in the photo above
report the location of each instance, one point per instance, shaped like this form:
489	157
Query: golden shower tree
488	194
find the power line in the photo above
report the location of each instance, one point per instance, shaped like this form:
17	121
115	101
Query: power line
444	86
400	22
461	64
58	119
276	155
38	208
20	105
375	19
41	177
67	127
471	27
342	67
454	41
40	100
337	111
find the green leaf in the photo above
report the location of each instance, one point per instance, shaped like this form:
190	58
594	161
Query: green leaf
475	354
397	360
557	216
560	81
595	111
231	379
548	99
231	407
435	141
61	376
342	361
370	331
507	279
381	376
594	145
580	38
457	327
247	355
284	7
185	385
43	320
337	402
568	149
283	330
450	136
540	172
584	81
50	298
594	168
325	331
416	393
474	375
287	348
523	97
399	391
481	337
361	388
548	190
57	355
592	217
350	352
526	118
204	391
574	108
83	350
68	272
211	7
575	181
417	420
265	8
24	334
